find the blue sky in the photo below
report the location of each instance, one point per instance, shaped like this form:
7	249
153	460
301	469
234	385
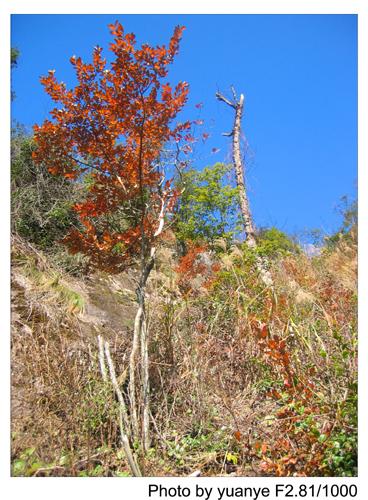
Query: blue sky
298	74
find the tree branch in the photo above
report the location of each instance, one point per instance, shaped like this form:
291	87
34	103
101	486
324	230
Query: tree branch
81	162
234	93
123	416
220	97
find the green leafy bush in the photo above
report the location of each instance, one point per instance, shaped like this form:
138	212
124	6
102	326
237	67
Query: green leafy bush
341	457
26	464
208	208
272	242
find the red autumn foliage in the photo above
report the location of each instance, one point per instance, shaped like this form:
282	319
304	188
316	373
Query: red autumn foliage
290	455
190	266
113	125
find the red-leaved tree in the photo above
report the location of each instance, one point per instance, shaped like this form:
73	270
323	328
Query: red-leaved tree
111	129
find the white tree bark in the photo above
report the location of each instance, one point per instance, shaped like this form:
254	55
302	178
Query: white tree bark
145	387
101	358
132	372
123	415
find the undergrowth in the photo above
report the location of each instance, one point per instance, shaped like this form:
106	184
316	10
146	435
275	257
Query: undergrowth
245	379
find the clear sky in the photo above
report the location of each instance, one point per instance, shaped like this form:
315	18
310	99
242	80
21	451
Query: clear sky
298	74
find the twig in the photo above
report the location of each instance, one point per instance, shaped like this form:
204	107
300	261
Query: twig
48	469
220	97
101	358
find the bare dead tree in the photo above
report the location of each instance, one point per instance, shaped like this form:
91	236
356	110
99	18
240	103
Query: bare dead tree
239	167
238	106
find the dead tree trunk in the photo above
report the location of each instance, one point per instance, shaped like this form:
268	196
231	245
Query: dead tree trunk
239	167
238	106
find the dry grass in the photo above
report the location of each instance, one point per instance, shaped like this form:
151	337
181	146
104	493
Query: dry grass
61	410
213	377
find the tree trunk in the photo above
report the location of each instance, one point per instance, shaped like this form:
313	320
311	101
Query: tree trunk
124	424
239	174
132	372
140	409
140	342
239	168
145	387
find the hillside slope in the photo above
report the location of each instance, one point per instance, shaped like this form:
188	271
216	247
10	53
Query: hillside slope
245	379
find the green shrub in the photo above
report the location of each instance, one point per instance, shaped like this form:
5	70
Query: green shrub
41	203
208	207
273	242
341	457
26	464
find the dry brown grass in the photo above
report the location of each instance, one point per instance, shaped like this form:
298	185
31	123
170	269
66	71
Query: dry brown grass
60	407
212	380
